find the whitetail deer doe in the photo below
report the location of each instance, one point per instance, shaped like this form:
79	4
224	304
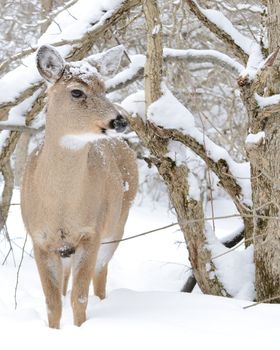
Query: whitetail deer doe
77	187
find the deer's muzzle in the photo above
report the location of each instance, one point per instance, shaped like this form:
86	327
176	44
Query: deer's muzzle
119	124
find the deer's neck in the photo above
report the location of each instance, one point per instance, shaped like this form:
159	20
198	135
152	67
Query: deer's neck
63	159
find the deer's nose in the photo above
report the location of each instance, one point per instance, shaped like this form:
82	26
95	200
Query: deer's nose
119	124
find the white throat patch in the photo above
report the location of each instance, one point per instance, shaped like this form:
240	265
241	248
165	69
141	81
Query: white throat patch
76	142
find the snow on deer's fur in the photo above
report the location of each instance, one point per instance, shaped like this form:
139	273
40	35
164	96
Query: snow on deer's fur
78	186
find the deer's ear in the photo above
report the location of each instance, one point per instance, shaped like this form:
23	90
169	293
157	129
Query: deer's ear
49	63
108	62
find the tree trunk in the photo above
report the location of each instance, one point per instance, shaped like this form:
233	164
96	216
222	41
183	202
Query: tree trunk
46	6
189	211
265	165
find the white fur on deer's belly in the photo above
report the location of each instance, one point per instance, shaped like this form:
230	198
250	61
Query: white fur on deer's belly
104	255
76	142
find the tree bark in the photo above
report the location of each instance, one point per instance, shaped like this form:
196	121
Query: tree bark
7	193
265	165
153	66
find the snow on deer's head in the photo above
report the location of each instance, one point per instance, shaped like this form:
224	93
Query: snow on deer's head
77	102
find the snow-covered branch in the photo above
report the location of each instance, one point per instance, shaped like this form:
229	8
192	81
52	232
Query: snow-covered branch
177	123
267	101
171	120
74	40
202	56
218	24
135	70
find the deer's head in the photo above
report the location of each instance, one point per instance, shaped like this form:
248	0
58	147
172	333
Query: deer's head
77	102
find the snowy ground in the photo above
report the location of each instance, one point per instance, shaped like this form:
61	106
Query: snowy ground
144	308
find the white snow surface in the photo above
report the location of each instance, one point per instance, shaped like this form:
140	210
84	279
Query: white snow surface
144	308
226	261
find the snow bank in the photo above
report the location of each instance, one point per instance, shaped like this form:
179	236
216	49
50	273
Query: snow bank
151	320
151	314
235	269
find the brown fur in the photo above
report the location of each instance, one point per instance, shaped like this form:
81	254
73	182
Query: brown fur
72	200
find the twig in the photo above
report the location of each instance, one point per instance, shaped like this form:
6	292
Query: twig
25	252
240	235
10	244
6	257
261	301
140	234
20	263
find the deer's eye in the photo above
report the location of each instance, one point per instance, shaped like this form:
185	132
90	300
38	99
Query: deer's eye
77	93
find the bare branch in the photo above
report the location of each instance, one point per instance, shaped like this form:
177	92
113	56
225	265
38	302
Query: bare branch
18	271
21	128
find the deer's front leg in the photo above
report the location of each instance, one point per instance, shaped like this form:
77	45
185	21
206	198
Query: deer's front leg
83	267
50	270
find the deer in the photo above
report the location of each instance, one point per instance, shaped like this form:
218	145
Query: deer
78	185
